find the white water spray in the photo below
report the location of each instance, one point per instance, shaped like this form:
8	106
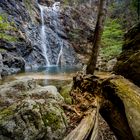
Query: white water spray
56	10
60	55
43	36
52	11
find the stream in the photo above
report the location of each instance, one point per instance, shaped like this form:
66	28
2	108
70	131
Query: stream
52	75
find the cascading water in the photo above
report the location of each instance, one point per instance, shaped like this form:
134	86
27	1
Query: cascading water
56	10
53	13
60	55
43	36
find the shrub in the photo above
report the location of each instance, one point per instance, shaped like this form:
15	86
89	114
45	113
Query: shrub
111	39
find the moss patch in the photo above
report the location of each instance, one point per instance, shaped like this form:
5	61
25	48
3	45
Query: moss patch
6	28
65	93
7	112
127	92
53	118
130	96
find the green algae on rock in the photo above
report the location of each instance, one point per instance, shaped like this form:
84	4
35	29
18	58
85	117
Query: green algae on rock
65	93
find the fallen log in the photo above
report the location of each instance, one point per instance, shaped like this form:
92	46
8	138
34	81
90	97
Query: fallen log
94	135
119	105
88	126
122	98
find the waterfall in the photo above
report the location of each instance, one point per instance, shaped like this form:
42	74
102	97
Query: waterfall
53	14
60	55
56	10
43	36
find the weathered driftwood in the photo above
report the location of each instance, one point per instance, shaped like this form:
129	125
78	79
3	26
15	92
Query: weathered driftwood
94	134
87	128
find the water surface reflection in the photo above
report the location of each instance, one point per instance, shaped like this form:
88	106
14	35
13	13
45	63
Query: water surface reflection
52	75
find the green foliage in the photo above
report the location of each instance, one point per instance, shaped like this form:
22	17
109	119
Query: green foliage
111	39
5	28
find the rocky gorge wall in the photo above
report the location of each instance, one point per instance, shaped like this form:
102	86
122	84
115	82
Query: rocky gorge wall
67	32
128	63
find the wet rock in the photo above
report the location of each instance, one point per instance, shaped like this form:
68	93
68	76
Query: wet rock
77	24
13	61
10	63
5	45
5	69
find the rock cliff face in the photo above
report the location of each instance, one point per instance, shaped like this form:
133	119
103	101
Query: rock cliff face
43	33
128	63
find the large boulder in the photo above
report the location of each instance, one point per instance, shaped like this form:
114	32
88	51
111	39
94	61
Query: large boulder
128	63
29	111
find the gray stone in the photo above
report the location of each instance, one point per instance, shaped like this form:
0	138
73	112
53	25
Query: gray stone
31	112
110	64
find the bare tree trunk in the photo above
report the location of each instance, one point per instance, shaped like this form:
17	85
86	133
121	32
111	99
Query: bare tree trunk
97	36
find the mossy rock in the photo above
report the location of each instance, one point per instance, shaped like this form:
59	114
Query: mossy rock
7	27
33	119
65	93
54	118
7	112
29	111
